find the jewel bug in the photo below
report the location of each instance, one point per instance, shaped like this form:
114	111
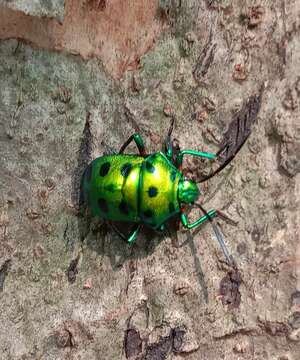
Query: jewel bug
149	189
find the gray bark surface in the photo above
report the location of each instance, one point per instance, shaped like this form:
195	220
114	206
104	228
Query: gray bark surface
70	294
42	8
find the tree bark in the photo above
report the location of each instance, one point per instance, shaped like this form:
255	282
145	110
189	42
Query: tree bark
68	291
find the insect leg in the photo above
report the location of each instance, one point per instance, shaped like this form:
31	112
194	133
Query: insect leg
193	153
133	234
161	228
202	219
117	231
167	144
139	143
128	238
208	216
171	146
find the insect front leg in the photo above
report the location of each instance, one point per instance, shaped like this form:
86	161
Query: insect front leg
184	220
139	143
208	216
193	153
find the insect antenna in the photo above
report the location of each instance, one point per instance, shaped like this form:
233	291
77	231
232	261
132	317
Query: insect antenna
219	235
219	168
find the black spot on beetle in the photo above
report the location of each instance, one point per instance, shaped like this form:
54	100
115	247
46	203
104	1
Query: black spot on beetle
173	175
148	214
123	207
103	205
125	169
171	208
104	169
152	191
150	167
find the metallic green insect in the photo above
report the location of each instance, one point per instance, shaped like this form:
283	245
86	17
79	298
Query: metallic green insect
149	189
144	189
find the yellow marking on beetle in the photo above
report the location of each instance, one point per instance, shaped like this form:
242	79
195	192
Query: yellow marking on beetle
166	194
129	190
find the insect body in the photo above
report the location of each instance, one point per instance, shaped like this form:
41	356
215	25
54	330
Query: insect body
149	189
132	188
142	189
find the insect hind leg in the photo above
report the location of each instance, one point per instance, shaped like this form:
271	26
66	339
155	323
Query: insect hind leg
208	216
128	238
171	146
139	143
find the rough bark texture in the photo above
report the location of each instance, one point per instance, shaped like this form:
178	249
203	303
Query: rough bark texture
117	32
42	8
66	293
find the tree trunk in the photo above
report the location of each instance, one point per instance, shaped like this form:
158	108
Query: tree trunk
77	79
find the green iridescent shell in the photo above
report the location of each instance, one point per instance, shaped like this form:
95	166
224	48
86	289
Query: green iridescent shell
132	188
